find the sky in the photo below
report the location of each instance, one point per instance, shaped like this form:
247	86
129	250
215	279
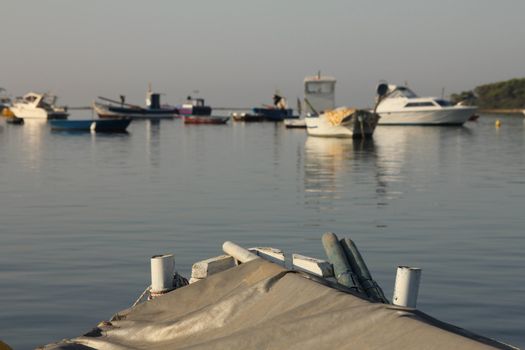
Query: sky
237	52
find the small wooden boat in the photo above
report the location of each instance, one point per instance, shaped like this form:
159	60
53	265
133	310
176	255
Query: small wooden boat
14	120
201	119
96	125
121	109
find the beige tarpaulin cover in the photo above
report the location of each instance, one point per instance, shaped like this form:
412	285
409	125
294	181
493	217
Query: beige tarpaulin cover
259	305
336	116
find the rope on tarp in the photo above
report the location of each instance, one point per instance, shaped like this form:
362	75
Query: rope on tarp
178	282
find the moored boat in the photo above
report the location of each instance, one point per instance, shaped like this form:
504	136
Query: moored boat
14	120
121	109
276	113
205	119
342	122
5	103
97	125
401	106
323	119
194	107
38	106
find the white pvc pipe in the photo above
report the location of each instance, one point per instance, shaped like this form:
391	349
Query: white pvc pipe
162	271
238	252
406	286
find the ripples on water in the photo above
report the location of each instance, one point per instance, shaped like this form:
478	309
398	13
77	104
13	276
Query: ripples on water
81	214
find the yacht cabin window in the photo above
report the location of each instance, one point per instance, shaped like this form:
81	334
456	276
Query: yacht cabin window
402	92
420	104
444	103
319	87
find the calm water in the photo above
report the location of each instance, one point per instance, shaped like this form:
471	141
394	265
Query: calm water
81	214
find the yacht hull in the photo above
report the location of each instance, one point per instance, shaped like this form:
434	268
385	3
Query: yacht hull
112	112
445	116
37	113
360	125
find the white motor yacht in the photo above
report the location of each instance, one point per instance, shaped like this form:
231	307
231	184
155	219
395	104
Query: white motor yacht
401	106
39	106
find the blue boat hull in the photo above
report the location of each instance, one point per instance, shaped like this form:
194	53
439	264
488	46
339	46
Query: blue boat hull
275	114
97	125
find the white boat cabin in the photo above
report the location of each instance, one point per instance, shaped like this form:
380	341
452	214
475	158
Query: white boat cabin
45	101
319	91
403	98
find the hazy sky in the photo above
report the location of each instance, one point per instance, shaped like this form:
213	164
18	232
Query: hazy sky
237	52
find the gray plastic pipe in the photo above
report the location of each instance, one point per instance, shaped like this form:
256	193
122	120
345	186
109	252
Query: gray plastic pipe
162	271
336	255
239	253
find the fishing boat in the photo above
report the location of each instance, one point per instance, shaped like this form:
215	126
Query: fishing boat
277	112
5	102
205	119
121	109
401	106
342	122
194	107
118	125
38	106
323	119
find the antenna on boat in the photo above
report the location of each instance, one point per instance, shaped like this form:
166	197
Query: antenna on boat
442	93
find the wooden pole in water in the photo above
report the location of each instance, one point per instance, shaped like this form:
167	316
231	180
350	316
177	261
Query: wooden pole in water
370	287
336	255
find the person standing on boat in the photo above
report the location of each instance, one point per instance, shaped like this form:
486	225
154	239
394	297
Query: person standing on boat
279	101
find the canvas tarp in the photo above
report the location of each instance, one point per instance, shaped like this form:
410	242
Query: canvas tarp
259	305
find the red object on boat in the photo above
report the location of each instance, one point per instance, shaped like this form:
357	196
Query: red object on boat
194	119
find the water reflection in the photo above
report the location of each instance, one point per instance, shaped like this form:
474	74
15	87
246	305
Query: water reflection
427	148
331	163
32	141
153	142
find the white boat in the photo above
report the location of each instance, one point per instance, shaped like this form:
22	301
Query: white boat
342	122
401	106
322	119
38	106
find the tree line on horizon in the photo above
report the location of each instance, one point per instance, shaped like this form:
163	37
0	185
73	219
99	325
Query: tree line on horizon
508	94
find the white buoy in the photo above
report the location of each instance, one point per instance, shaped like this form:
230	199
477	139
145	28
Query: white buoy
162	271
406	286
238	252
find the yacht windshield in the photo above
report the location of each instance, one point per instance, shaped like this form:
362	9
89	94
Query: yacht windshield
402	91
444	103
